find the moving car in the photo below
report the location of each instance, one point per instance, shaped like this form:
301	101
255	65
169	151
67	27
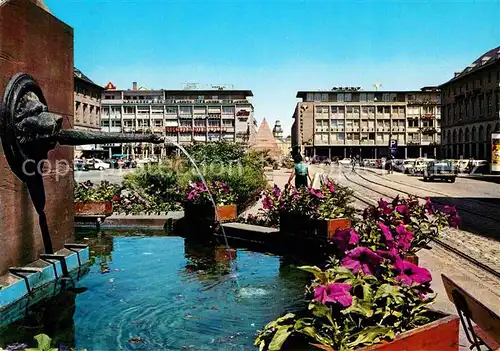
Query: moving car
440	170
346	161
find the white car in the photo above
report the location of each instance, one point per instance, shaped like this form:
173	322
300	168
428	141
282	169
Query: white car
98	164
345	161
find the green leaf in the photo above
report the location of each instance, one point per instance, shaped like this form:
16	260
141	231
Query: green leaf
318	273
43	341
388	290
362	307
371	335
279	339
320	310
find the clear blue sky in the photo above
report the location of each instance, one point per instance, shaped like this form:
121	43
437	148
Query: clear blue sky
277	48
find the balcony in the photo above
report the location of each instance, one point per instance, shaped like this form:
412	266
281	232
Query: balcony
422	102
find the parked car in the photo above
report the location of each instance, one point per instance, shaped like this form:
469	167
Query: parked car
408	165
440	170
346	161
97	164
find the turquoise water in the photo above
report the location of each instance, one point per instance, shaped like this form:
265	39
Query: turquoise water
166	293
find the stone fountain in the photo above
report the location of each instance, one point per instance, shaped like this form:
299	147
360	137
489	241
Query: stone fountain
36	120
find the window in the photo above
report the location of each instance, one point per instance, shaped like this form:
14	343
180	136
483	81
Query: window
362	97
347	97
228	123
185	109
228	110
321	109
310	97
386	97
116	123
489	104
199	123
341	136
481	105
158	123
324	97
338	109
104	123
340	97
353	109
213	123
489	77
317	96
172	109
413	123
427	123
128	123
184	123
128	110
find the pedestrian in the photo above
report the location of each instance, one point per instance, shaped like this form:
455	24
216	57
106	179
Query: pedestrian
300	172
390	164
470	166
353	163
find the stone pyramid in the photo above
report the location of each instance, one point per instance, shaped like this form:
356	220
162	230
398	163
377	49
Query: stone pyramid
264	140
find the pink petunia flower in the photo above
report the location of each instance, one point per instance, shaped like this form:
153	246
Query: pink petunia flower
344	238
410	274
362	259
335	292
404	237
386	231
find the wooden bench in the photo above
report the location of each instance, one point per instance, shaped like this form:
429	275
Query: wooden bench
486	332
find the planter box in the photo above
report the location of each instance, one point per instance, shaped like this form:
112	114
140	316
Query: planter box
440	335
305	226
205	212
93	208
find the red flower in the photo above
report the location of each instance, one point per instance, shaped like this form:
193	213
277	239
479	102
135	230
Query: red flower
335	292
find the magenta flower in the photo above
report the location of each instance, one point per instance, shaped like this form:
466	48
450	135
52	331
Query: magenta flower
384	207
392	254
429	207
405	237
410	274
344	238
454	221
317	193
276	191
267	203
389	240
361	259
403	209
335	292
331	187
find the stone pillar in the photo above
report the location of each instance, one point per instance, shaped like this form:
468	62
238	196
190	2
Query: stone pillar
35	42
375	152
406	151
345	152
420	151
329	153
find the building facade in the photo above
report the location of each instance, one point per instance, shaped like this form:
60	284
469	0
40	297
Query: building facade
471	108
87	96
183	116
346	122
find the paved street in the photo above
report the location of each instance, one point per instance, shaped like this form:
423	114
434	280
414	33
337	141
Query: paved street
110	175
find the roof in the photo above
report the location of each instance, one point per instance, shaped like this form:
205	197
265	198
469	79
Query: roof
210	91
303	93
79	75
487	59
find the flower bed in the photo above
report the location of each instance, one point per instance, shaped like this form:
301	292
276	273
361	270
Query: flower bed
123	199
198	205
307	211
93	208
368	293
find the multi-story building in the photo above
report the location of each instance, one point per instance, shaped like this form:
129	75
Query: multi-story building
87	106
471	108
347	122
183	116
278	130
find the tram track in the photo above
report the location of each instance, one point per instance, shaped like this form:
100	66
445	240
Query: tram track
461	208
442	244
478	202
